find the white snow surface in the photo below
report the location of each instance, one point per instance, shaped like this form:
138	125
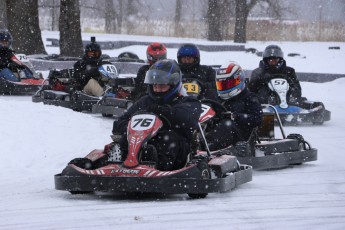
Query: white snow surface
37	141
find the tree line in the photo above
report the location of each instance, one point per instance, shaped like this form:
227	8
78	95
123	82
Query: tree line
22	20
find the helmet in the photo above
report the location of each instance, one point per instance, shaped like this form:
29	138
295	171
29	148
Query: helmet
156	51
92	50
188	50
230	80
273	51
5	35
164	72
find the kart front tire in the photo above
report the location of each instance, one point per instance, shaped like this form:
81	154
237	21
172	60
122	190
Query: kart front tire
205	174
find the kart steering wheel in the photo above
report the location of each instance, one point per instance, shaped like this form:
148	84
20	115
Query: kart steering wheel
216	106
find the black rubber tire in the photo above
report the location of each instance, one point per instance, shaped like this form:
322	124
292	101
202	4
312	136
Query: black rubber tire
205	174
107	115
79	192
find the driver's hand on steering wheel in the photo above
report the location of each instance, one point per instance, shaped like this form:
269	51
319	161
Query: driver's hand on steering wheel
229	115
164	110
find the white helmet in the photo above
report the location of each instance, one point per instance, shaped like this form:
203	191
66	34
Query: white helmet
230	80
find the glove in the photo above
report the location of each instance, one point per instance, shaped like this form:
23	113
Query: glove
92	70
164	110
229	115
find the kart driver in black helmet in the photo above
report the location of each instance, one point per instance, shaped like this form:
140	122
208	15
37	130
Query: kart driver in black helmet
166	97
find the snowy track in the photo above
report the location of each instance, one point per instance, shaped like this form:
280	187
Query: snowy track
38	140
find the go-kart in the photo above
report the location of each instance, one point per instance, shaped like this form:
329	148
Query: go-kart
60	90
291	111
116	103
28	82
104	170
263	150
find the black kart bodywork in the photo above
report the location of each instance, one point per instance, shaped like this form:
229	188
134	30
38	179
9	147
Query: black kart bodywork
111	107
264	151
25	86
76	100
72	99
114	105
305	112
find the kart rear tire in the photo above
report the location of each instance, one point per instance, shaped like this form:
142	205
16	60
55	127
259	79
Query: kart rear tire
79	192
318	122
205	174
107	115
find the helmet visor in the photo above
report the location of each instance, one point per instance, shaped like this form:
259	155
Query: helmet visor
156	57
161	77
227	84
93	53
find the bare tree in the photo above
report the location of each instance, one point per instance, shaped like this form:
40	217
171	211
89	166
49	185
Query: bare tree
242	11
213	21
110	17
243	7
70	31
22	18
3	16
177	20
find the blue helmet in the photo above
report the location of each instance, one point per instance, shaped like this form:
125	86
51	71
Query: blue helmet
188	50
5	35
164	72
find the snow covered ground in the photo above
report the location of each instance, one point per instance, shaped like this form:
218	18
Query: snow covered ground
38	140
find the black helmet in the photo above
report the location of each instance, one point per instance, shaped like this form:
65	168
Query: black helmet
188	50
164	72
5	35
92	50
273	51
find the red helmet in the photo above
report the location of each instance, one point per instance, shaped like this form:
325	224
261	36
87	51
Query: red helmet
156	51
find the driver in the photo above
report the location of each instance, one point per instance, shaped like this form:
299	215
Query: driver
8	62
273	66
166	97
154	52
188	57
86	75
244	109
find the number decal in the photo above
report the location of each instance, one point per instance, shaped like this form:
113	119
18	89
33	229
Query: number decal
279	82
110	68
191	87
142	122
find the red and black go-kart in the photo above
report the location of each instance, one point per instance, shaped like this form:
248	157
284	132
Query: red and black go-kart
203	173
28	80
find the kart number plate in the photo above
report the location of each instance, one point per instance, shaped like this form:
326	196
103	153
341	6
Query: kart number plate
142	122
191	87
